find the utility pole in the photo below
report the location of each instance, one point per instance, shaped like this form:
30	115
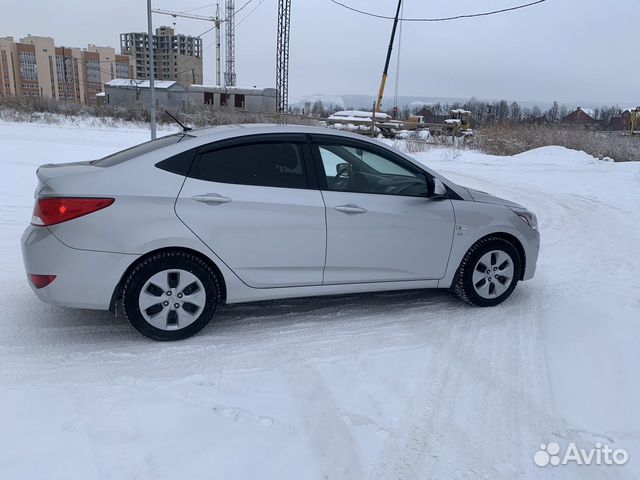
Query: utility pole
152	74
282	55
386	63
230	43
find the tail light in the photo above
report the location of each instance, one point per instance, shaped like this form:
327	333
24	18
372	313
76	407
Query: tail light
41	281
53	210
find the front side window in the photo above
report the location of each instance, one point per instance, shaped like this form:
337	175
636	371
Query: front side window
352	169
261	164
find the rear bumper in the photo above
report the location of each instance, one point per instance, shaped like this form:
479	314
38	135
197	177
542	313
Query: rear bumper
84	278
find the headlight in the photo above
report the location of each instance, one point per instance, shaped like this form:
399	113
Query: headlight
527	216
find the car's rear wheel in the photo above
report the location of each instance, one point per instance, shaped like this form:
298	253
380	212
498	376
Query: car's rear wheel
170	295
488	273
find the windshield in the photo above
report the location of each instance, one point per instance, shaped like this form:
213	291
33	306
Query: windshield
141	149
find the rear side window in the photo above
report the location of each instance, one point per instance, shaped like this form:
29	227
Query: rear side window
141	149
180	163
262	164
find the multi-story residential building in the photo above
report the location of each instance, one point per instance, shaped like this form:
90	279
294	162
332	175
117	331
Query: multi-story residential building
35	66
177	57
68	75
113	65
8	52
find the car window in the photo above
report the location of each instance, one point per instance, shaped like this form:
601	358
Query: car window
351	169
263	164
147	147
378	163
178	164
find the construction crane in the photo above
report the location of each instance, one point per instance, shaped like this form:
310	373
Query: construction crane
230	43
386	63
216	21
282	55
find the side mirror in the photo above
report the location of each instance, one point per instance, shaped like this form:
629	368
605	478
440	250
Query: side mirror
344	170
439	189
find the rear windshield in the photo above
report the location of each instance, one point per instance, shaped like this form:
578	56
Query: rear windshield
141	149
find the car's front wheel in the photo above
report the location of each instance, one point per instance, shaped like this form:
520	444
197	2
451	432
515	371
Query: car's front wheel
488	273
170	295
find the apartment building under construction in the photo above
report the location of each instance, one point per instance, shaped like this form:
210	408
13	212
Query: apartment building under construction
177	57
36	66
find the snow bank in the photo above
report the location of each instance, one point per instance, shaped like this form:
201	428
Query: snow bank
555	155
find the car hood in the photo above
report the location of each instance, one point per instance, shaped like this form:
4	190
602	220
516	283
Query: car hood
484	197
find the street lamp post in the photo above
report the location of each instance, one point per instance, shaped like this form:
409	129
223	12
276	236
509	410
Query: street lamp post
152	74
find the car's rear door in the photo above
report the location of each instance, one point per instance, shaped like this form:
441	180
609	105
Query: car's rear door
253	202
381	224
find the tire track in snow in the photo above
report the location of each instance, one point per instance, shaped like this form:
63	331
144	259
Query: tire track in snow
331	439
467	420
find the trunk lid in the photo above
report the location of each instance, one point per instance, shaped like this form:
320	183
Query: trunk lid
50	175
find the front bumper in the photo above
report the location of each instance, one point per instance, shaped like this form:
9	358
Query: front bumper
85	278
532	250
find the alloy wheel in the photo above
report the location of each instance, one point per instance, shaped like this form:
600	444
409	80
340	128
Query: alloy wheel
493	274
172	299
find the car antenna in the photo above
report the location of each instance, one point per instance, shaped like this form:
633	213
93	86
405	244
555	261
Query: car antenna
184	127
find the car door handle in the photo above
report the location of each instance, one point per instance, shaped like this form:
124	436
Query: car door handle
211	198
351	208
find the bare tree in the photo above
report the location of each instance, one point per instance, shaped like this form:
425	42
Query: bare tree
516	112
318	109
553	113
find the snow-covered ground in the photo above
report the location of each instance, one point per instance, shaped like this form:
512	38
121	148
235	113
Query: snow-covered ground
400	385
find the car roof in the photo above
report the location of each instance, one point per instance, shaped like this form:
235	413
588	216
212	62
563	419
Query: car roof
239	130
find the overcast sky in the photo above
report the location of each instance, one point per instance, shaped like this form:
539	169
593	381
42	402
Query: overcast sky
565	50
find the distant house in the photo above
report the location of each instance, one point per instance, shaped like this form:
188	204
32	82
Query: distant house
622	121
581	116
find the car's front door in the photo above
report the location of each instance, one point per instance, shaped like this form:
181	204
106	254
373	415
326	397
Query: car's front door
255	205
381	223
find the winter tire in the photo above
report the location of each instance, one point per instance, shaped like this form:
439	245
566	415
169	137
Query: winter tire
488	273
170	295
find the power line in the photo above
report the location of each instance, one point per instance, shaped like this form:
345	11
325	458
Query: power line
198	8
225	19
240	9
208	30
238	23
250	12
441	19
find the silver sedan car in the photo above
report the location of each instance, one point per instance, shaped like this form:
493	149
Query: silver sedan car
170	229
